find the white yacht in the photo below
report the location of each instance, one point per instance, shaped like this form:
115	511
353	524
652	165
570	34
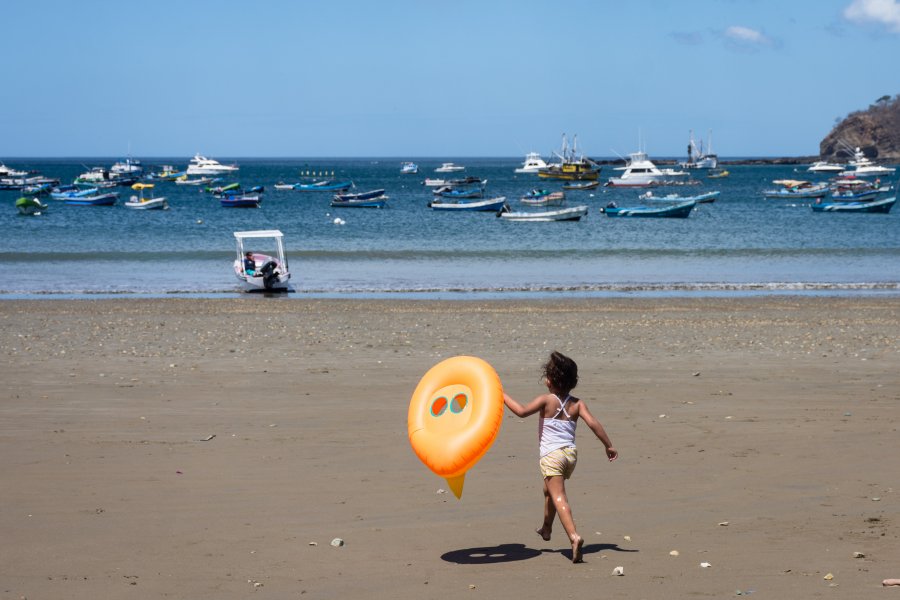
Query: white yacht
823	166
200	165
449	168
533	163
639	171
864	167
129	166
10	172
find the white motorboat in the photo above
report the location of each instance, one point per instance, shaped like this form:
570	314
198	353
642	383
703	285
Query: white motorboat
142	202
269	272
533	163
864	167
823	166
409	168
639	171
449	168
200	165
129	166
9	172
697	158
563	214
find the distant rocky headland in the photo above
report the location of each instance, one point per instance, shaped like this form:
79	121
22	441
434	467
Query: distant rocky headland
875	130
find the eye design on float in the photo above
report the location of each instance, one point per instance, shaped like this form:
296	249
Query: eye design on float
457	405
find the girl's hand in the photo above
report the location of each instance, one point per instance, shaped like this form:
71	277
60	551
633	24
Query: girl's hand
612	454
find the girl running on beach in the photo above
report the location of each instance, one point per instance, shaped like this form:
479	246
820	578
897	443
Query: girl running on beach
559	413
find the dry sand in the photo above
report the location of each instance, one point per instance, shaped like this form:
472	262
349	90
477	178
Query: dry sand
777	416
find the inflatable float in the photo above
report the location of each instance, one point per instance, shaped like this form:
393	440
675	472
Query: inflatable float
454	416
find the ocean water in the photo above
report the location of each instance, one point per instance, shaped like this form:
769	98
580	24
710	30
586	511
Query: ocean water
742	243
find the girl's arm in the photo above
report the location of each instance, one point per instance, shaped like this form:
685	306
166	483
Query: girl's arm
598	430
523	411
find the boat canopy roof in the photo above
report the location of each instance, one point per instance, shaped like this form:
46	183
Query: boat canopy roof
142	186
790	182
261	233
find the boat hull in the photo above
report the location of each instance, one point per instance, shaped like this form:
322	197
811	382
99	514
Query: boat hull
679	211
150	204
564	214
101	200
491	204
365	203
878	206
240	201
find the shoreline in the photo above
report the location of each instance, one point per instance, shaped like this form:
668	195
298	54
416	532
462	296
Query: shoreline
198	447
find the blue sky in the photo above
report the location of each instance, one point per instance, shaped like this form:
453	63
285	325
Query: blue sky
421	78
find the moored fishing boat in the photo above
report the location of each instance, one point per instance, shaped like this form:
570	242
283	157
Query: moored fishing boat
142	202
581	186
572	166
323	186
105	199
676	211
376	202
454	192
543	198
797	189
240	200
361	195
704	198
471	180
875	206
487	204
30	207
697	157
574	213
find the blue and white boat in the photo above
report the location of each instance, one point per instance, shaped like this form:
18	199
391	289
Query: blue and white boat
240	200
487	204
106	199
451	192
574	213
795	189
409	168
327	185
876	206
676	211
68	192
704	198
361	195
376	202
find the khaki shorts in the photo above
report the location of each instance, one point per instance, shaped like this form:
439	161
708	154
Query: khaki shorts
559	463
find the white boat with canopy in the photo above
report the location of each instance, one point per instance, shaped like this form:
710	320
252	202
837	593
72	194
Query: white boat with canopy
257	271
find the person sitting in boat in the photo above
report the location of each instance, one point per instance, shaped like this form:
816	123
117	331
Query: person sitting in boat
249	264
612	204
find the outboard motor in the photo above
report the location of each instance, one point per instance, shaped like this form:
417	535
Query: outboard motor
270	277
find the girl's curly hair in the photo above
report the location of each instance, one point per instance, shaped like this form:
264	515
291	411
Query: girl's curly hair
562	372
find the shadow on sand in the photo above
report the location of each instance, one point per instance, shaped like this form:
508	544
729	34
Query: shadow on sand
514	552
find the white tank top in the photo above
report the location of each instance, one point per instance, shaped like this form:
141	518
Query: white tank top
556	433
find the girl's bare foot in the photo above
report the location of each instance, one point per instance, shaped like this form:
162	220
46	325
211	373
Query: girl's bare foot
577	543
544	533
888	582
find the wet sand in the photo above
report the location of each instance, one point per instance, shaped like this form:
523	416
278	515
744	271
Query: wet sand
214	449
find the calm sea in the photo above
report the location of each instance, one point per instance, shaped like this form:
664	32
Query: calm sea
742	243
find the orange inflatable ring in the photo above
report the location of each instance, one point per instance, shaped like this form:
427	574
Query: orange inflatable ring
454	416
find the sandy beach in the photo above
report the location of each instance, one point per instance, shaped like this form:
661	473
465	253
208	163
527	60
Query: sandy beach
184	448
